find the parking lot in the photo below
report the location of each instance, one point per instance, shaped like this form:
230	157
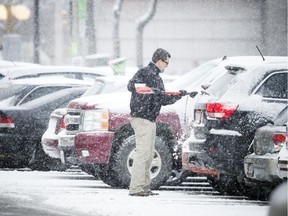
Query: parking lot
76	193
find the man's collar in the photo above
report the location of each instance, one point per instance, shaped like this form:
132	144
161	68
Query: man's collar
154	67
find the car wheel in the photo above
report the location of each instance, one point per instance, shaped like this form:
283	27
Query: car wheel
160	169
227	185
107	175
42	162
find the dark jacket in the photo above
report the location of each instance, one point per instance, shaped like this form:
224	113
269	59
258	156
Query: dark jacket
148	106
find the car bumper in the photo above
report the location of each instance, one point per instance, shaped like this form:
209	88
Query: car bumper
261	167
12	143
66	146
283	163
196	158
50	147
94	148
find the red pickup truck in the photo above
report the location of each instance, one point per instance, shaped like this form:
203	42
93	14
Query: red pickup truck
104	139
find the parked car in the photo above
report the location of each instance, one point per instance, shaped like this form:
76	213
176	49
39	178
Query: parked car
226	117
72	72
278	201
260	167
104	119
25	106
56	142
12	64
282	165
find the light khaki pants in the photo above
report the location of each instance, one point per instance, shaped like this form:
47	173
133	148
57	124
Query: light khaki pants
145	135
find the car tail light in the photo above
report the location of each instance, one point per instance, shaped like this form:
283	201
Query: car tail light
61	126
279	140
220	110
6	122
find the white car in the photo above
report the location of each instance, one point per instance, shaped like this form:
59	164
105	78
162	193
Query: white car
12	64
72	72
282	165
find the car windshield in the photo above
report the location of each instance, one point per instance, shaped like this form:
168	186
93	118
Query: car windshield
11	94
103	87
221	85
189	78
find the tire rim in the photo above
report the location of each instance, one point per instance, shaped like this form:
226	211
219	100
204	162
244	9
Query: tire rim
155	166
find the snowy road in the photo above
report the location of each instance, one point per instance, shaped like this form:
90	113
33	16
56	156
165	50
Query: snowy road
78	194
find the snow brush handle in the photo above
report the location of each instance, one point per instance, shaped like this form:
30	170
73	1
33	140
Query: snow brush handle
172	93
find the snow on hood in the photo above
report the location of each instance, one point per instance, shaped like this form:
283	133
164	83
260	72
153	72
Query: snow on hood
120	103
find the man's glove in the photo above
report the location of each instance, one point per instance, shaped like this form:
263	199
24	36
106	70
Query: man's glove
183	92
193	94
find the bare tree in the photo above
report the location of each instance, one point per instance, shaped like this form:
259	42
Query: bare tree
141	23
10	19
115	34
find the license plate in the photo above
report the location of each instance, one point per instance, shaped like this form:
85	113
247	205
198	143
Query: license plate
250	169
66	141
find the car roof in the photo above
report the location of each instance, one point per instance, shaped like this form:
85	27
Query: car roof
13	64
20	71
48	81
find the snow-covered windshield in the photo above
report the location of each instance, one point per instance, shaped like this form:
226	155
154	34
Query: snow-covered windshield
108	86
11	94
187	79
221	85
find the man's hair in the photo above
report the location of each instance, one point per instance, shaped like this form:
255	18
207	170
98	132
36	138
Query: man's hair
160	54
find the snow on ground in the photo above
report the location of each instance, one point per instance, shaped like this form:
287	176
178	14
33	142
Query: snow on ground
82	193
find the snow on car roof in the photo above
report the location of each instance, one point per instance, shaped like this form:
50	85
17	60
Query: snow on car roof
49	81
12	64
17	71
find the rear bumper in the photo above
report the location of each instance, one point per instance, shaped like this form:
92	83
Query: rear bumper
50	147
193	164
219	154
94	148
261	167
12	143
283	163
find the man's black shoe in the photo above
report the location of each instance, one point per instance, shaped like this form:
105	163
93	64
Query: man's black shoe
142	194
152	193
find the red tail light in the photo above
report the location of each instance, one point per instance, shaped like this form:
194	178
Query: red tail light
60	127
220	110
278	139
6	123
62	124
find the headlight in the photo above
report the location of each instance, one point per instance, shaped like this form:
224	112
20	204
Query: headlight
95	120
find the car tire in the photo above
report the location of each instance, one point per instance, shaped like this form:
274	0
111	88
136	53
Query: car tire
227	185
42	162
161	166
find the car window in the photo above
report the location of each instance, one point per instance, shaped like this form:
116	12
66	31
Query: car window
222	84
52	97
190	77
282	117
12	94
89	77
106	87
41	91
275	86
96	88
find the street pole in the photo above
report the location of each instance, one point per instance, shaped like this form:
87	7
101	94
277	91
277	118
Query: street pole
36	32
